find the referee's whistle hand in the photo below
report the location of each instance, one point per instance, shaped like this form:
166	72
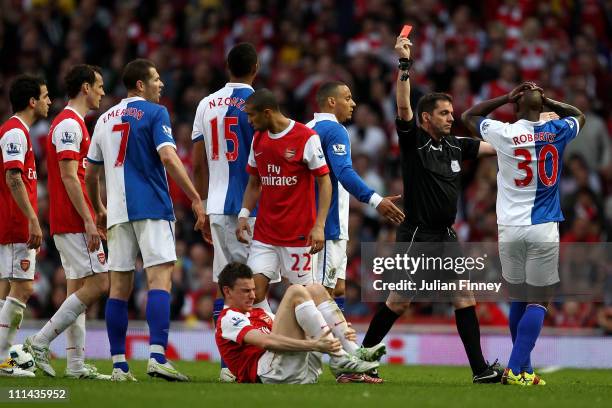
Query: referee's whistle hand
387	209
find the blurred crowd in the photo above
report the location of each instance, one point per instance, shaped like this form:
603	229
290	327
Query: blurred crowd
472	50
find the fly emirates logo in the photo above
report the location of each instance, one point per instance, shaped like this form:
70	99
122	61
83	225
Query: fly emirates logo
274	177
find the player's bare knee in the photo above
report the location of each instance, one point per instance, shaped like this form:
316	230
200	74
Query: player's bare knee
21	290
464	299
261	287
318	293
340	289
298	294
101	283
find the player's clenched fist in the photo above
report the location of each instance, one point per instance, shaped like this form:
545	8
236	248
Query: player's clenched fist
402	47
316	239
243	230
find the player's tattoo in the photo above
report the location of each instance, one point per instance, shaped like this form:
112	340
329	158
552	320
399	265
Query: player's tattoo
14	181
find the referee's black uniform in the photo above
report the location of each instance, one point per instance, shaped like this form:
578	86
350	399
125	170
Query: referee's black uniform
431	172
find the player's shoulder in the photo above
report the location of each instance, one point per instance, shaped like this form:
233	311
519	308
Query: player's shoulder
13	126
232	316
301	130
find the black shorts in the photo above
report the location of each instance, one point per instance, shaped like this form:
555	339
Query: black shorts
435	246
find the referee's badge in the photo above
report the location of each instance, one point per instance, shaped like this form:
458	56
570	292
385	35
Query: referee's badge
455	166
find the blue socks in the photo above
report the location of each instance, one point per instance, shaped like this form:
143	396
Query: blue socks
340	302
527	332
158	319
116	315
516	312
217	309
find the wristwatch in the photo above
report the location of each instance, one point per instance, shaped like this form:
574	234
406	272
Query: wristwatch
404	65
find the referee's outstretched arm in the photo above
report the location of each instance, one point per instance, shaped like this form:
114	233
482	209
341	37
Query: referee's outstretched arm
402	48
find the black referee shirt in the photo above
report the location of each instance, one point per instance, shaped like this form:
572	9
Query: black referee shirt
432	174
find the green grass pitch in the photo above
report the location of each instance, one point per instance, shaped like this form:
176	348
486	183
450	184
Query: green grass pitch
405	386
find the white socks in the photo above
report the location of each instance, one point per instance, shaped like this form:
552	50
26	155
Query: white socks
11	316
65	316
263	305
311	320
75	343
337	323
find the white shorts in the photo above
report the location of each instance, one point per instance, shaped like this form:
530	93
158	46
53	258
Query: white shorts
77	261
226	247
274	262
154	239
17	261
290	368
332	263
530	253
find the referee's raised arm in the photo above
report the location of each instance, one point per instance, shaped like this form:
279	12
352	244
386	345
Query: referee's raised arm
402	48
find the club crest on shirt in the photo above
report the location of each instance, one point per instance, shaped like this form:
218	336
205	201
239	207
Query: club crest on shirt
68	138
289	154
102	258
24	264
455	166
266	318
13	149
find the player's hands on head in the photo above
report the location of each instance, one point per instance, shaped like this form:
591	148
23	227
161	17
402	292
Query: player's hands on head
35	238
402	47
387	209
327	344
243	230
316	239
518	91
93	236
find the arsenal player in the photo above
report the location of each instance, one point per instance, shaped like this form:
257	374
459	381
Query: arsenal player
20	233
73	226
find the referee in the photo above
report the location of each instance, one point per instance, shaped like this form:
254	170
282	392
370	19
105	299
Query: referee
431	168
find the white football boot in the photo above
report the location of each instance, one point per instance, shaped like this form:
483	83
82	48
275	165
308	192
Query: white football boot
165	371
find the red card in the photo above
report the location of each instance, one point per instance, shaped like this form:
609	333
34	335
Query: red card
406	31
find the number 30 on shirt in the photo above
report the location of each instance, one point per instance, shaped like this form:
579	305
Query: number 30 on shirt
547	151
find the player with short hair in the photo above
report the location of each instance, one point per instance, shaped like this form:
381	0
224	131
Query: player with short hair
133	144
20	233
73	226
285	159
336	107
284	348
530	161
222	137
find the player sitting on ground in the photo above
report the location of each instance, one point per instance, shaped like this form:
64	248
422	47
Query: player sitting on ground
260	347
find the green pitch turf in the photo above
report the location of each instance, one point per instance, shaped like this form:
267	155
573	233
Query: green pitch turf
406	387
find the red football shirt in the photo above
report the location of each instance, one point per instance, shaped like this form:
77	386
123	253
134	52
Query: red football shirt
232	326
68	139
16	152
286	163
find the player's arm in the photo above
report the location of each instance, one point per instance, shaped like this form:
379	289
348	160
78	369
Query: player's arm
472	117
316	239
175	168
564	110
485	150
402	49
70	179
200	179
19	192
249	201
280	343
92	185
339	159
